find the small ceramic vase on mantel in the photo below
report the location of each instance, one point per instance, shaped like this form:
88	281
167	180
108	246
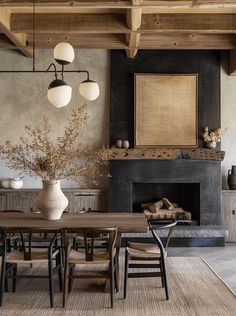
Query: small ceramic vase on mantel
125	144
211	144
51	201
119	143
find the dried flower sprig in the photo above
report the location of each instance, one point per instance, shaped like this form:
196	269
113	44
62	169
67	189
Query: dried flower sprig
38	154
214	136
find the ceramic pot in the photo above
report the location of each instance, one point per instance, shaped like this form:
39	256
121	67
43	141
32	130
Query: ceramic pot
125	144
51	201
232	178
119	143
6	183
16	183
211	145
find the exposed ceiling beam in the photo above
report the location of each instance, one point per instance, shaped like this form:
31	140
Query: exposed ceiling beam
187	41
71	23
19	40
232	63
204	23
148	7
134	21
147	41
105	41
115	23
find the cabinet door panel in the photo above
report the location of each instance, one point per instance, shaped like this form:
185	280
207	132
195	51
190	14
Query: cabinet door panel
22	201
229	214
87	200
3	202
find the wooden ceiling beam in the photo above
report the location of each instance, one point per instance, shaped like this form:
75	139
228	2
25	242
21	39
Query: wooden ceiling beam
105	41
187	41
148	7
71	23
115	23
19	40
134	21
203	23
232	63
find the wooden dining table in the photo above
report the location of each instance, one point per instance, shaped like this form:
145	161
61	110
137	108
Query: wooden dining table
125	223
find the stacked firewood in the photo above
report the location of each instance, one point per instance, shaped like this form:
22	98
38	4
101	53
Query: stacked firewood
164	209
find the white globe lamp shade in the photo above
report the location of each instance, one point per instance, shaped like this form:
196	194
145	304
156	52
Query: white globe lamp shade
59	93
89	90
64	53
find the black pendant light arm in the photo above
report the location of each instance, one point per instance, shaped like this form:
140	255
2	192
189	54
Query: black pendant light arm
79	71
55	69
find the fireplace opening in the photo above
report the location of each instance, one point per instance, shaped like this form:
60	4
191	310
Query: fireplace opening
186	195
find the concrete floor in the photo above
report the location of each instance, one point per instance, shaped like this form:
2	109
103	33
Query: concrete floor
221	259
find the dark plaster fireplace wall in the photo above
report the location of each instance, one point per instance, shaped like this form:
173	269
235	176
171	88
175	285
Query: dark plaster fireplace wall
127	173
204	63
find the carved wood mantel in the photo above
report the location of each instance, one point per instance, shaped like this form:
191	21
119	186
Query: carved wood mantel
166	154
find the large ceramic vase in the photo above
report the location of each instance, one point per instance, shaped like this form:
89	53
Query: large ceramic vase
51	201
232	178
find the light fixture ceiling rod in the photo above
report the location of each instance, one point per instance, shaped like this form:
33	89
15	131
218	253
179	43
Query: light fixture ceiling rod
34	25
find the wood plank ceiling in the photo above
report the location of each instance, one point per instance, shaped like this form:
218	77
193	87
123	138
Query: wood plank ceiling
128	25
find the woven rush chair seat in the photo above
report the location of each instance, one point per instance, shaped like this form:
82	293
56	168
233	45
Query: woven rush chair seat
76	256
144	251
148	256
16	256
100	263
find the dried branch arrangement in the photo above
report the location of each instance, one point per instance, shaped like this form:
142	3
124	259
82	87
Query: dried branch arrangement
39	154
214	136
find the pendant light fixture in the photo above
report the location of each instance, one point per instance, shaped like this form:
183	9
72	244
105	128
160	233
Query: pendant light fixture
59	92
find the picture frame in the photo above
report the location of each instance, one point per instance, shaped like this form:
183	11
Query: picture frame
166	110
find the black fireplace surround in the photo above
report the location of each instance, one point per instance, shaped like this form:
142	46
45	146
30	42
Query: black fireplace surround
132	178
204	173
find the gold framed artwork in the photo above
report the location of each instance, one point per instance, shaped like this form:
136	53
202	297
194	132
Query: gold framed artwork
166	110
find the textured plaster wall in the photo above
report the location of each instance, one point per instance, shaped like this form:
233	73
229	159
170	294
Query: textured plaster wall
23	99
228	119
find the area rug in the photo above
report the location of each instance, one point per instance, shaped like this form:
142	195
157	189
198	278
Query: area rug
194	290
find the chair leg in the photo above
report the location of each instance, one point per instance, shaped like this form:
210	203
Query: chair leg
65	289
50	272
3	272
117	269
59	270
112	272
126	272
162	274
14	278
116	277
165	278
70	281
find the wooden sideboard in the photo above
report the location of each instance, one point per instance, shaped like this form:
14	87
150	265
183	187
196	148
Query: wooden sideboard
79	199
229	213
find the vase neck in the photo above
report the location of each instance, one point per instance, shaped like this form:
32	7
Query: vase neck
50	183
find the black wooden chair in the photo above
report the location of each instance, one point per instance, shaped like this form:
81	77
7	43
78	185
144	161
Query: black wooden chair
90	255
149	256
26	252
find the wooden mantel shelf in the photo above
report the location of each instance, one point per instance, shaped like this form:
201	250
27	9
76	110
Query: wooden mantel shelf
166	154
